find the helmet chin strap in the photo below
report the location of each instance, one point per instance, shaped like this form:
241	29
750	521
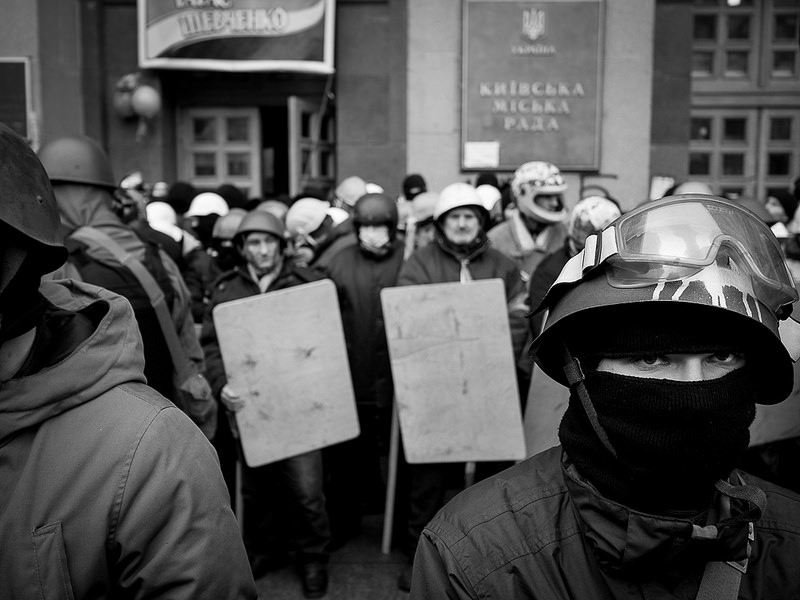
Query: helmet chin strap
576	380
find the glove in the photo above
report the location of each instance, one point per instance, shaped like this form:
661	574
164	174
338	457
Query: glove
230	399
199	404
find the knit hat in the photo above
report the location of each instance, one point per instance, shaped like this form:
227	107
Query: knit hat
413	184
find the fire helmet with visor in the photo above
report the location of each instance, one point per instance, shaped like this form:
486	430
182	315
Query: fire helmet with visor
694	257
538	178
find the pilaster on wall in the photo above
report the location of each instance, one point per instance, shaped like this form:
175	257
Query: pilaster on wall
371	91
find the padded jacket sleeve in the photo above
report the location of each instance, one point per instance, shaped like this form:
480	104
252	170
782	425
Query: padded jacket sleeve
173	532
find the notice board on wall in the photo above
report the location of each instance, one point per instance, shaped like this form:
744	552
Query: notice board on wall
531	83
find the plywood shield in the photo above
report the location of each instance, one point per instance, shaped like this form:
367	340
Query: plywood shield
547	403
285	352
779	421
453	369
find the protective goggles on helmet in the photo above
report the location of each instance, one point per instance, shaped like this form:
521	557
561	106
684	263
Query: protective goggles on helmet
675	238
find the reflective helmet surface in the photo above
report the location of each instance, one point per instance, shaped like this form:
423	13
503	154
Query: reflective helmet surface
262	222
538	178
28	204
375	209
77	160
458	195
746	283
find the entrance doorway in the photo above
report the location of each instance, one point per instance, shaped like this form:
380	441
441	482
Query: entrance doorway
269	151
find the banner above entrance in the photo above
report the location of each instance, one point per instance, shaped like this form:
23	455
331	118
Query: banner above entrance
237	35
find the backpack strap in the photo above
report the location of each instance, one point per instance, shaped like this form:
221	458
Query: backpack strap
95	237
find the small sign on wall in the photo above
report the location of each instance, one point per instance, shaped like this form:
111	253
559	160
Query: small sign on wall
531	85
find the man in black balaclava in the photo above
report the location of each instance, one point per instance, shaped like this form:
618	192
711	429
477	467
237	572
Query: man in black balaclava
665	330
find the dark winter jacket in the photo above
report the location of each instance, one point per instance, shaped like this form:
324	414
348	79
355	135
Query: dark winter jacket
359	278
436	263
539	530
107	490
234	285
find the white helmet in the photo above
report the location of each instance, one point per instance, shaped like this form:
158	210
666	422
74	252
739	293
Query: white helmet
351	189
207	203
423	206
589	215
458	195
306	215
489	194
537	178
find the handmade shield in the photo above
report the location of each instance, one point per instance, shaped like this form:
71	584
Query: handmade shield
284	352
546	405
453	368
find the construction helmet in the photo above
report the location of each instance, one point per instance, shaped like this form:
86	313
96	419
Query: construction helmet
375	209
207	203
423	206
538	178
77	160
306	215
589	215
29	206
694	257
459	195
227	225
350	190
262	222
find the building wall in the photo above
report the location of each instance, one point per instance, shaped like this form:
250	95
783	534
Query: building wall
434	98
672	61
371	90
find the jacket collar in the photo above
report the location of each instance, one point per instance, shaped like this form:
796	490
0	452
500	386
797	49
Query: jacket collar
627	540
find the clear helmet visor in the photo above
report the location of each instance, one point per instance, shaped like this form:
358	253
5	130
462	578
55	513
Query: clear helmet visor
678	239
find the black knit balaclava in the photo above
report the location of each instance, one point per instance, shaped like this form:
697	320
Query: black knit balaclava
673	439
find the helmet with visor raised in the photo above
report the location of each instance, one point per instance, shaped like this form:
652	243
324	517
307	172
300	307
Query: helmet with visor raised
703	254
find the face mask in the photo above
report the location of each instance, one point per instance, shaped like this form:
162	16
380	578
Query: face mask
374	239
673	439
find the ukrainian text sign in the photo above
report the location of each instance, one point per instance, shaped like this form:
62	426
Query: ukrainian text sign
531	83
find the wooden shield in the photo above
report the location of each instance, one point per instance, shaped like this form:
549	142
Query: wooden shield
547	402
285	352
453	368
778	421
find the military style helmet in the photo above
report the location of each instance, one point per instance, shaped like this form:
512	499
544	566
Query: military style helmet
459	195
262	222
77	160
538	178
695	253
28	205
375	209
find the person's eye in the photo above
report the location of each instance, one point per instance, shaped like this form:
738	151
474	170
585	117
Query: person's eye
651	360
727	358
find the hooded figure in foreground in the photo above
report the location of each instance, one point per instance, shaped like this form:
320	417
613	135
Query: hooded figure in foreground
107	489
666	330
